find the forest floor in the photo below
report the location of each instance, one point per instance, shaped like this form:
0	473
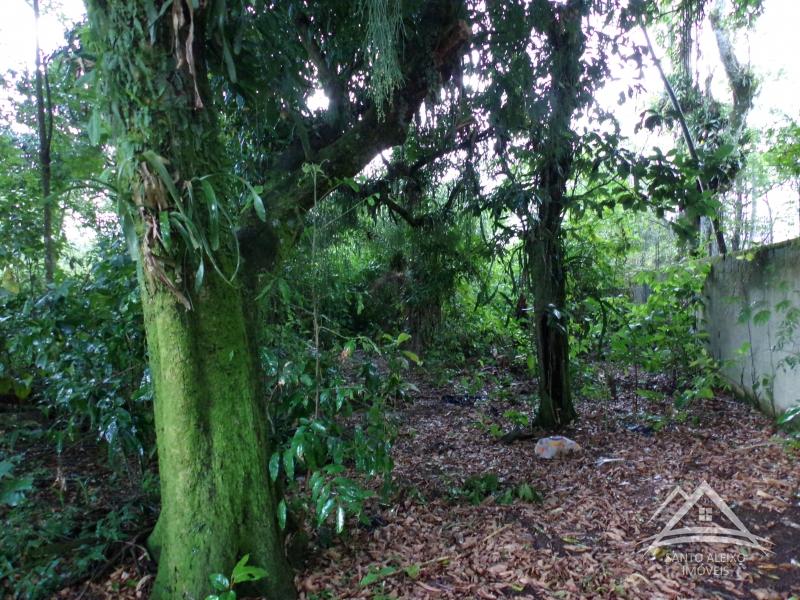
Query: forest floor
473	517
460	530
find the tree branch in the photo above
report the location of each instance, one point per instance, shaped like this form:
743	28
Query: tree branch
332	85
687	136
345	153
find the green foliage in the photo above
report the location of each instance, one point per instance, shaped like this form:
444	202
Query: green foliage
242	572
78	349
478	488
323	426
74	162
348	427
789	416
12	489
44	546
383	44
376	575
663	334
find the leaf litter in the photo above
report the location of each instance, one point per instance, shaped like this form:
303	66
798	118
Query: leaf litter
457	528
584	539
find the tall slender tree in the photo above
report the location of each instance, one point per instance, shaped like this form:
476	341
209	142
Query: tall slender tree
44	122
562	28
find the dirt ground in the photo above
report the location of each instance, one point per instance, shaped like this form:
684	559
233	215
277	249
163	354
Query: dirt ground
459	525
584	538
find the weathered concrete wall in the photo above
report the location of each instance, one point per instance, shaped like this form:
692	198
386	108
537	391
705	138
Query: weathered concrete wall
752	317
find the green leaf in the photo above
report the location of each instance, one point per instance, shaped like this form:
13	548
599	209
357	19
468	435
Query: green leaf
12	491
198	276
22	388
93	128
412	357
789	415
413	571
258	204
219	582
158	164
706	393
316	484
228	58
340	519
274	465
288	463
244	572
213	213
377	575
351	183
762	317
325	510
531	362
282	514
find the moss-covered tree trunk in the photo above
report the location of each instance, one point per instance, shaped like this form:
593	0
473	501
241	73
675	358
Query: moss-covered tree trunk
202	331
217	501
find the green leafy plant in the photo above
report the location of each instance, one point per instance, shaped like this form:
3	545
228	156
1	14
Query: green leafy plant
12	489
76	351
490	427
478	488
376	574
224	586
517	418
789	416
662	335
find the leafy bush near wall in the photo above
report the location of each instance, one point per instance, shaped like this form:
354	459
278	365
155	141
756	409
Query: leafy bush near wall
664	334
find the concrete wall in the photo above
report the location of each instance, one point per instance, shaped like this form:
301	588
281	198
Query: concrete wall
752	316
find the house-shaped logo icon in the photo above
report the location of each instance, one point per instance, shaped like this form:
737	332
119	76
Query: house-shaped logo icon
674	534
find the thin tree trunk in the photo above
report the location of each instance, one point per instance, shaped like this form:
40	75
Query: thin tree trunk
45	135
753	213
545	253
740	79
738	225
687	136
552	337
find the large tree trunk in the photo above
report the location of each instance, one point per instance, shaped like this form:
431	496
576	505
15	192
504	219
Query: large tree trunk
217	500
216	497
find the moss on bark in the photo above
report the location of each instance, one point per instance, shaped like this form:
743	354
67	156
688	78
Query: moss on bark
217	500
